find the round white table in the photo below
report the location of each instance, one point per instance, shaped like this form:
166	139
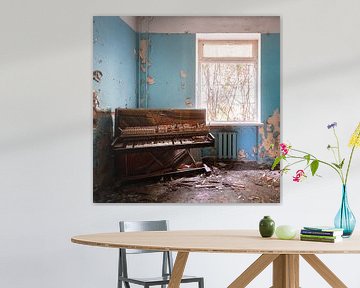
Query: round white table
284	254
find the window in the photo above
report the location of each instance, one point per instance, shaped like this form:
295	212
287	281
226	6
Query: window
228	80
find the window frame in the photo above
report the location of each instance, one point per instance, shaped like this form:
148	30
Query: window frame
230	38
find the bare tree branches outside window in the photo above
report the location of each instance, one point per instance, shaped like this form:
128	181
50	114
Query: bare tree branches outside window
228	87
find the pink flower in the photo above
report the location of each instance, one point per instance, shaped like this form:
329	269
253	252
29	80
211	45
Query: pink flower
299	175
284	148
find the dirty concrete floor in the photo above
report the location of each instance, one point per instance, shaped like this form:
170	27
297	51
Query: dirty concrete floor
239	182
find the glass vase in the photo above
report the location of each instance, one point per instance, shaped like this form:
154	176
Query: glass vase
345	219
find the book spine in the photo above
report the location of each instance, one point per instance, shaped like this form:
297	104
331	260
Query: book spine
320	233
319	236
318	239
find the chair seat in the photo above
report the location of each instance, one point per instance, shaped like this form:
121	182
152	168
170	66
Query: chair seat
158	280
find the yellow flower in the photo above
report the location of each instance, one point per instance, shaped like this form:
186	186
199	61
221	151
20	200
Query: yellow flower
355	138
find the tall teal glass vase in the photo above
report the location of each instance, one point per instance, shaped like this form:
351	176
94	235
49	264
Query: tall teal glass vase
345	219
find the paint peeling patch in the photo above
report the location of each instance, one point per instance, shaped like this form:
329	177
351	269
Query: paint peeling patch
150	80
269	137
96	102
97	75
242	155
143	51
188	102
183	74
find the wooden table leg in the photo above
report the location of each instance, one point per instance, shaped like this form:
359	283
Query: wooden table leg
178	269
286	271
324	271
253	270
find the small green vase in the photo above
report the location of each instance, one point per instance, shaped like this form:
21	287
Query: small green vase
266	227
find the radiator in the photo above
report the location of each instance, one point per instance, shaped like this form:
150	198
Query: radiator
226	144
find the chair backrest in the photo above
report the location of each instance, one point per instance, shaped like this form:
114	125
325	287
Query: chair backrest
134	226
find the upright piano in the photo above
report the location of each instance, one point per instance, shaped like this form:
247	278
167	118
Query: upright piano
157	142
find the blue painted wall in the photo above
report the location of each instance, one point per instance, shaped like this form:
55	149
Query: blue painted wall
114	54
270	74
269	134
172	59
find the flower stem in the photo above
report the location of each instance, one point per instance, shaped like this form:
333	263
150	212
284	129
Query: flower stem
348	167
350	159
300	151
339	155
323	162
296	162
337	145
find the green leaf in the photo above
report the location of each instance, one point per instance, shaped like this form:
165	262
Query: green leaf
314	166
276	162
339	166
307	157
336	165
342	163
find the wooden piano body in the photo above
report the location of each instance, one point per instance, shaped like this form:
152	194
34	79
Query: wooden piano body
157	142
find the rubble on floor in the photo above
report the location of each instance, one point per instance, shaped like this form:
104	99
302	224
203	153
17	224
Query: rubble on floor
231	182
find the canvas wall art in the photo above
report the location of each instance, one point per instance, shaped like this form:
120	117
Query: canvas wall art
186	109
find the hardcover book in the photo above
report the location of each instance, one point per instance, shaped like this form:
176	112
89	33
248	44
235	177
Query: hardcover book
325	240
321	233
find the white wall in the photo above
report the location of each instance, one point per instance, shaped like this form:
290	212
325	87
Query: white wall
46	138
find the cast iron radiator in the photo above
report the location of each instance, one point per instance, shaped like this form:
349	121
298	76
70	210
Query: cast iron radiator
226	145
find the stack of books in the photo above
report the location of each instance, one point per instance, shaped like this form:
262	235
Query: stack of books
321	234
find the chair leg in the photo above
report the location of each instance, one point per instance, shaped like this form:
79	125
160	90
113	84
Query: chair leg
201	283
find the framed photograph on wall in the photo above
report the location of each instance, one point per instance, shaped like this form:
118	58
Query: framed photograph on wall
186	109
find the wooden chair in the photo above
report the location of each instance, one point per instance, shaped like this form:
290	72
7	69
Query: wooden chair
167	262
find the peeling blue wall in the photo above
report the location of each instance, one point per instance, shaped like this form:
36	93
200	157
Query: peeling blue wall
169	54
114	54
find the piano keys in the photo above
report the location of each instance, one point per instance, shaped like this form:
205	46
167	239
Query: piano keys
130	144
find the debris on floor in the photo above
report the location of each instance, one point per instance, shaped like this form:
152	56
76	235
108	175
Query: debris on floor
230	182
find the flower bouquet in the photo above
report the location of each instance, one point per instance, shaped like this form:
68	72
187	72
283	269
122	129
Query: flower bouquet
291	156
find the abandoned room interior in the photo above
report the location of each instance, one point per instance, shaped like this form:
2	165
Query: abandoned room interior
186	109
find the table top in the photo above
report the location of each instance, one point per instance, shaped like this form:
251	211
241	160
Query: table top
217	241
